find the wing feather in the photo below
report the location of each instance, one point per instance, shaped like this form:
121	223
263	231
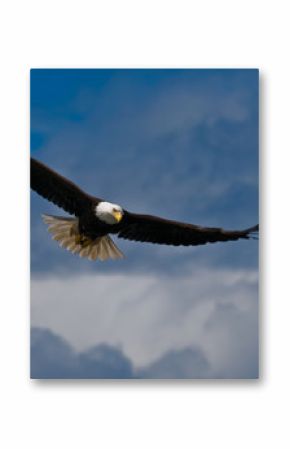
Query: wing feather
148	228
58	189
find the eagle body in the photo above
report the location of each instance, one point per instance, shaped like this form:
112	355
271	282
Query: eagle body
93	227
87	233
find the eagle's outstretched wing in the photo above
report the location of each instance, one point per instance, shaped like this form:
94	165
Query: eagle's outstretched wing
148	228
58	189
142	228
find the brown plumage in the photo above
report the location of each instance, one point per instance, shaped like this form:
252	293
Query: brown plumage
95	220
58	190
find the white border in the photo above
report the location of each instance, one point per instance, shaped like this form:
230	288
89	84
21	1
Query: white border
144	34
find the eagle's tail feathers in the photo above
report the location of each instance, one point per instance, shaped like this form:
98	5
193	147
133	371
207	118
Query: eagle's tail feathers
65	231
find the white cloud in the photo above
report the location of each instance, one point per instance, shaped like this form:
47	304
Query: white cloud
147	316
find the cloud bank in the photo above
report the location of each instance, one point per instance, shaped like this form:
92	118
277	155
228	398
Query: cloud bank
150	316
53	358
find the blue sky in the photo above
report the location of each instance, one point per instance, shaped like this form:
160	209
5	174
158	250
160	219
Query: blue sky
182	144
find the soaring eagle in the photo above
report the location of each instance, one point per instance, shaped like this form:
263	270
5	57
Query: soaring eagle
88	233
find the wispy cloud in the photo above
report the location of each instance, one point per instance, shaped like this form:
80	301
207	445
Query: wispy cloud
179	150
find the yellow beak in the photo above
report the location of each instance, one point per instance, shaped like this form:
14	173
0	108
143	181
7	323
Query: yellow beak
118	216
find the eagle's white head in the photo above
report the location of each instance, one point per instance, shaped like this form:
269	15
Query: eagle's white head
109	213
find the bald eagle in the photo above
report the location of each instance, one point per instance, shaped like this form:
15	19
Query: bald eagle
87	234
